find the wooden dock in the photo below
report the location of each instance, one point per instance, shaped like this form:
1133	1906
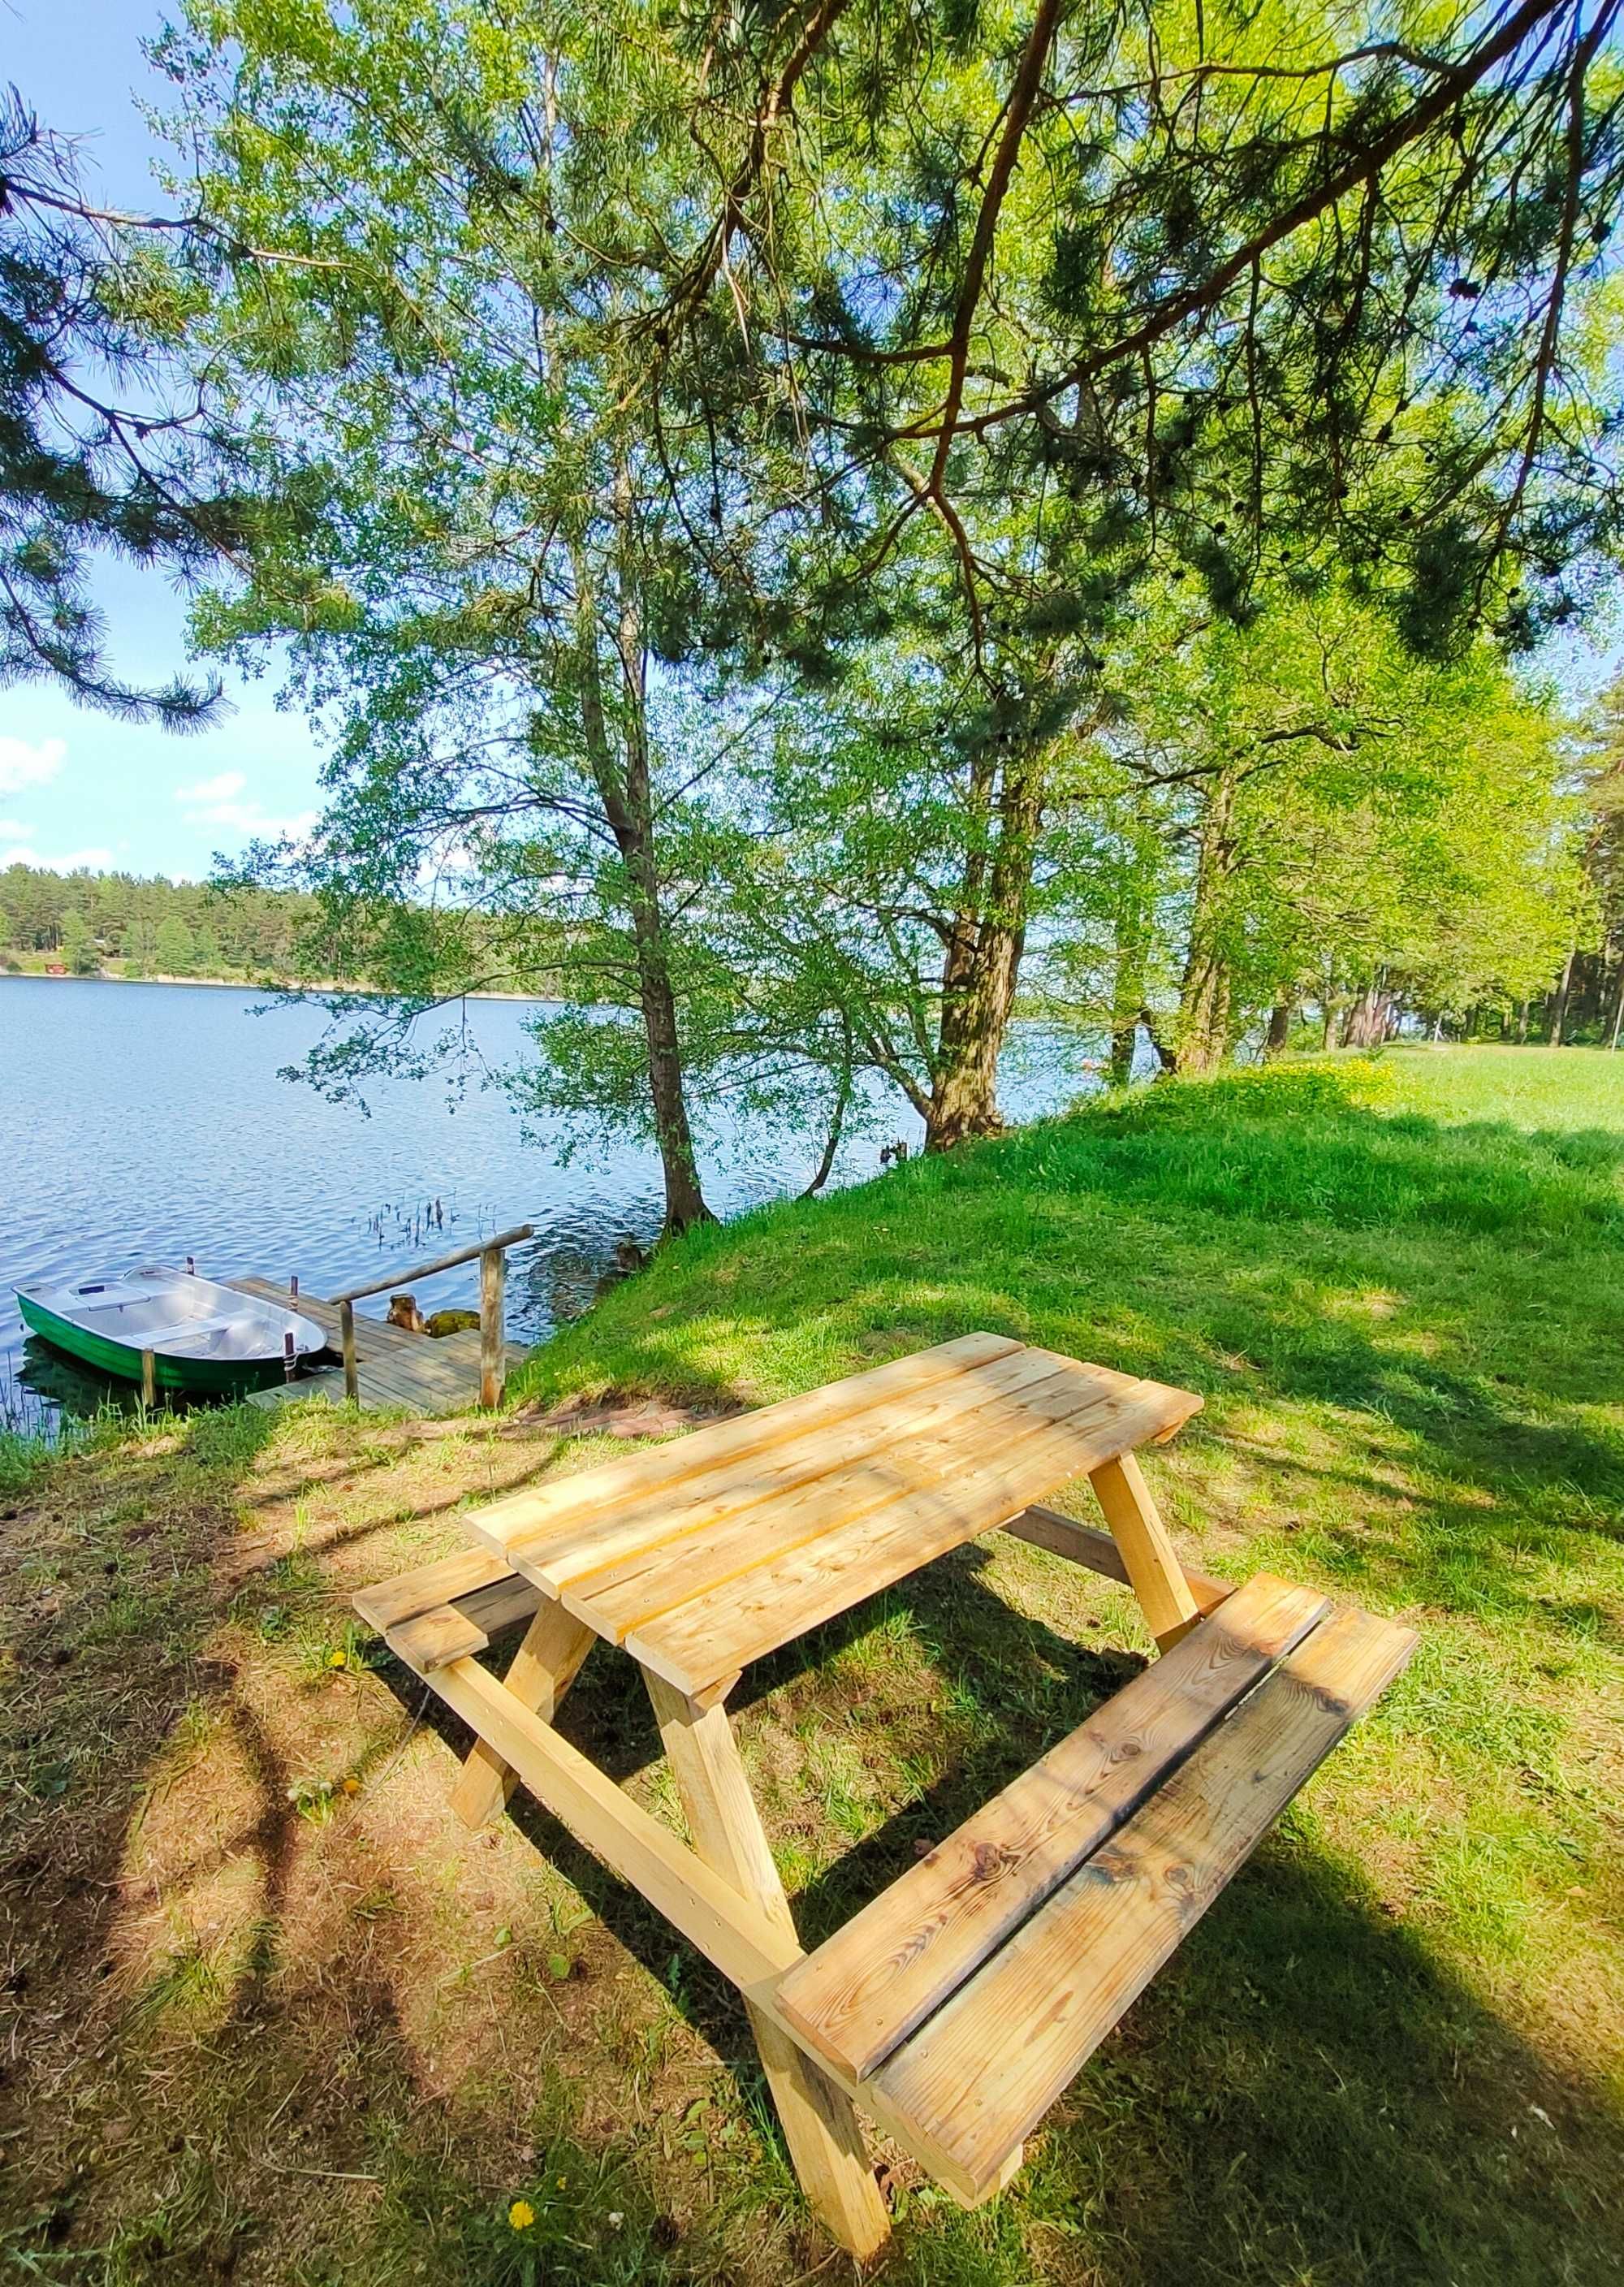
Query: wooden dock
396	1367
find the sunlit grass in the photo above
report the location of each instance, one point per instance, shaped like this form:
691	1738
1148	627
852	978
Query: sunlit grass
338	2041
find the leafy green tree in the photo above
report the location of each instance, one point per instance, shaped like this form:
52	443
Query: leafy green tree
1336	820
174	948
1050	304
80	955
486	580
634	378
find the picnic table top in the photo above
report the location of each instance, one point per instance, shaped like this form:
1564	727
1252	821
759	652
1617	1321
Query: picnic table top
959	2003
708	1553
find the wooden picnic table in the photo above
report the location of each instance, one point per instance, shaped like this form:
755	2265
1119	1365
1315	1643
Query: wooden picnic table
957	2004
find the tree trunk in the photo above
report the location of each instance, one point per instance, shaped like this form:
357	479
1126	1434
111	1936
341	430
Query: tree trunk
1367	1023
983	964
1558	1013
1127	995
1280	1029
1203	1012
624	789
1618	1009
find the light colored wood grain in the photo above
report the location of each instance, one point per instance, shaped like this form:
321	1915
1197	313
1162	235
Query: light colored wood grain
394	1366
429	1640
540	1674
747	1945
1154	1570
499	1605
492	1292
820	1482
861	1994
586	1504
981	2073
387	1602
820	2123
645	1535
762	1609
1086	1545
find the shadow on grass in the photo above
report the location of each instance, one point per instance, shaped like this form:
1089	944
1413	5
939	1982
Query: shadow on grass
1303	2091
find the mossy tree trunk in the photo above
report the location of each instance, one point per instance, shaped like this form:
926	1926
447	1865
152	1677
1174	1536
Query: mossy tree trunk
982	963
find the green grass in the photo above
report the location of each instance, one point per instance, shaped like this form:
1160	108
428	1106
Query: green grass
309	2033
1399	1284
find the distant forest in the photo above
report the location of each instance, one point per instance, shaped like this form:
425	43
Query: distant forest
85	922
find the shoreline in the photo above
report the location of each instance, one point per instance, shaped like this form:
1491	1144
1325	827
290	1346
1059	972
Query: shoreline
234	984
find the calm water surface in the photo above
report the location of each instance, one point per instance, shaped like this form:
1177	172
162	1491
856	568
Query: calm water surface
146	1122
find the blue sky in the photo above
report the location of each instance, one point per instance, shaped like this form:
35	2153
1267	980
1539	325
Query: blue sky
74	784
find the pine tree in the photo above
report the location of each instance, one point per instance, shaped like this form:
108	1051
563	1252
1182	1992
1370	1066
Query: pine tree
81	470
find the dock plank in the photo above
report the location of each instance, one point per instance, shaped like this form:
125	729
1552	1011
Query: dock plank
394	1365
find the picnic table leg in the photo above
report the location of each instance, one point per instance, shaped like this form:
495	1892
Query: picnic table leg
1154	1571
820	2123
542	1670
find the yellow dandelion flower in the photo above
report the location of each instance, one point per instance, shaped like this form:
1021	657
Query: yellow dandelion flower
353	1786
521	2215
336	1659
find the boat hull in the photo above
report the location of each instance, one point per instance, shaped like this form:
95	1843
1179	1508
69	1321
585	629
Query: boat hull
187	1377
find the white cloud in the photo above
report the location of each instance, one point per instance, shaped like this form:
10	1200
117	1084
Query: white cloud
98	859
246	818
12	829
220	788
214	801
23	765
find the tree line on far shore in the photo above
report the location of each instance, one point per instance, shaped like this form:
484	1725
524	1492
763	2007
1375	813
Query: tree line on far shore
85	922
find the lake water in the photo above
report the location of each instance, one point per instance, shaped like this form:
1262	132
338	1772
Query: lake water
147	1122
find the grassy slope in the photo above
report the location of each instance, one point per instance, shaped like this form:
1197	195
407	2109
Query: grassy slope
1390	2053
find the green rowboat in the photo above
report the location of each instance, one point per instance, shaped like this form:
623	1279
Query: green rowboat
206	1340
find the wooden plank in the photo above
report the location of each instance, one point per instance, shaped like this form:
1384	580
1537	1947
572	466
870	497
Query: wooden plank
542	1670
755	1614
1154	1570
860	1996
493	1286
820	2125
767	1505
584	1502
983	2072
504	1602
431	1639
430	1270
1086	1545
747	1945
387	1602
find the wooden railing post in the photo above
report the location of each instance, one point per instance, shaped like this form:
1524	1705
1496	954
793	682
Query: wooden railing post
493	1347
346	1332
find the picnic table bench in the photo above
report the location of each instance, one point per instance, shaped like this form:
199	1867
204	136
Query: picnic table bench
958	2005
